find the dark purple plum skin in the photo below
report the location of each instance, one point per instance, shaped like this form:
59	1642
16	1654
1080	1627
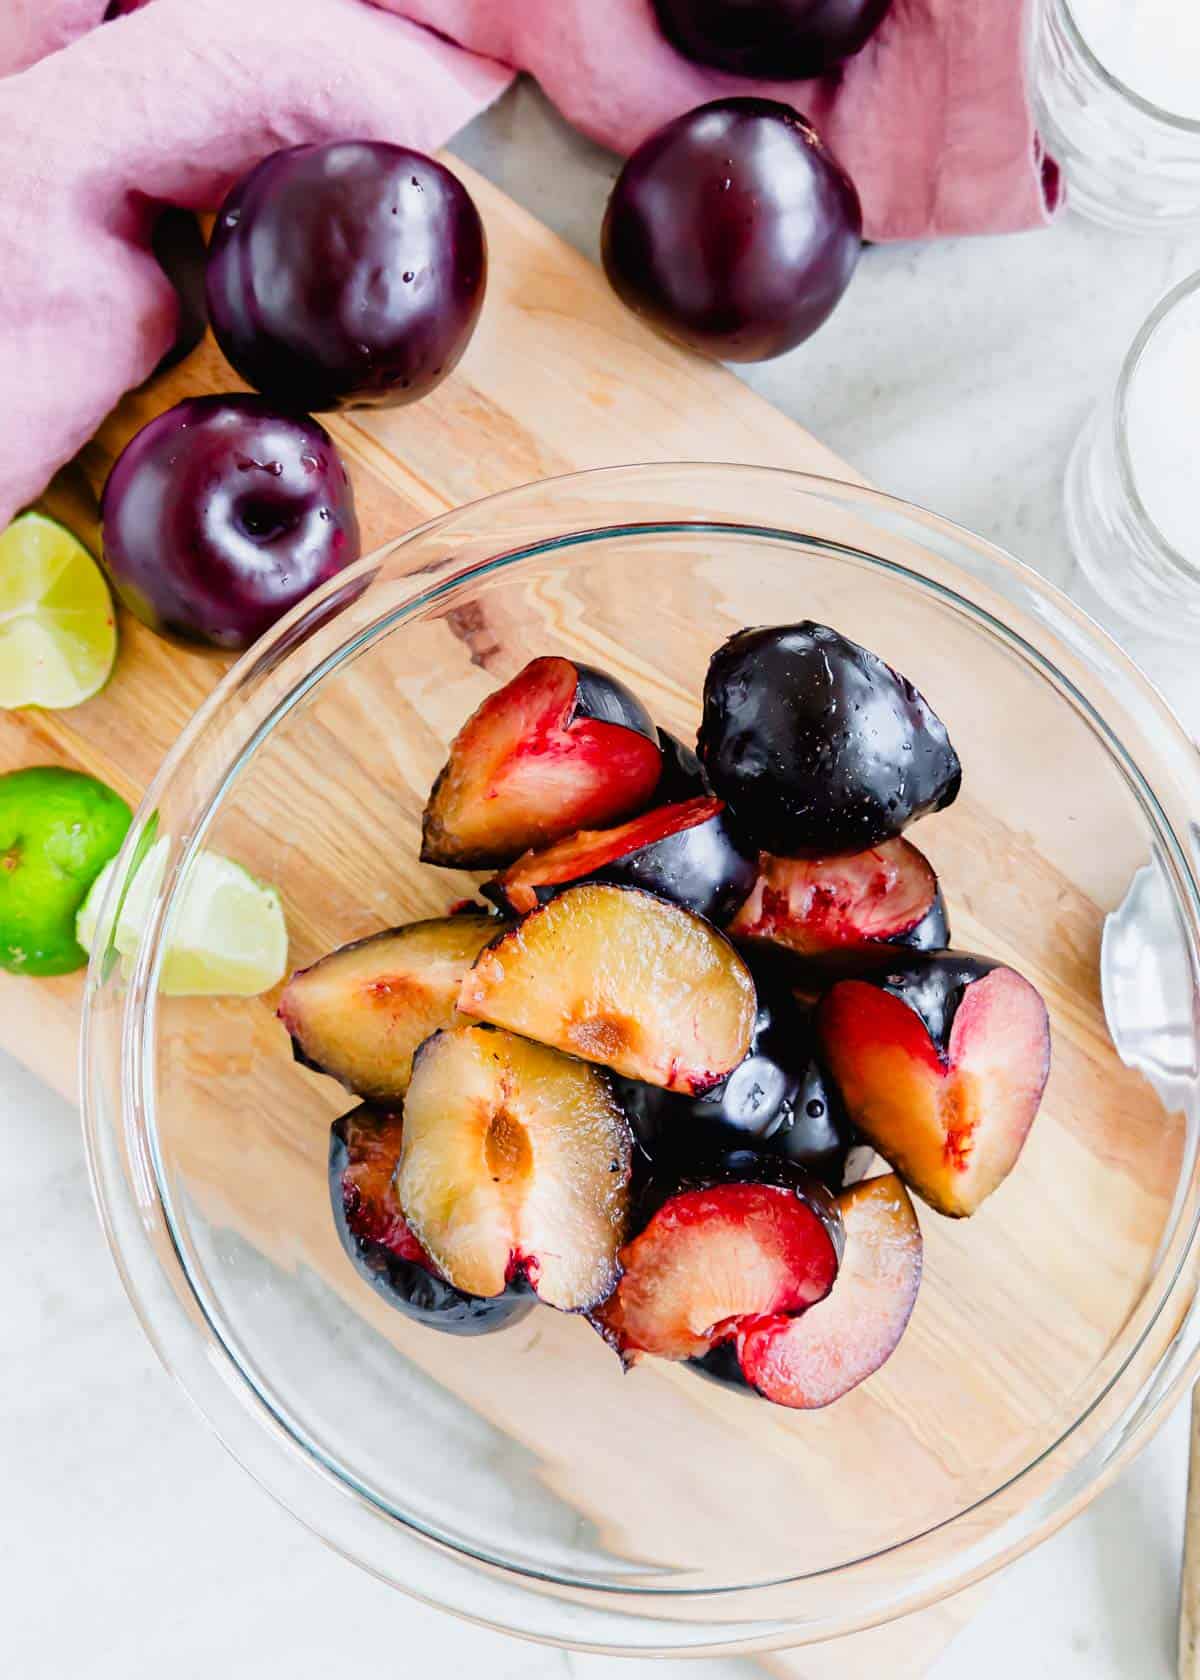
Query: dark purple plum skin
816	745
607	700
702	869
179	248
721	1365
221	514
933	985
682	772
778	1102
778	40
932	932
407	1285
733	230
345	275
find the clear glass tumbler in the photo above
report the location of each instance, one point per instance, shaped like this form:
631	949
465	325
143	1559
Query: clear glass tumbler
1116	91
1130	493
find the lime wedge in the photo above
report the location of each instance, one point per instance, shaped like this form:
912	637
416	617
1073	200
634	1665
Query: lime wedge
89	910
58	633
227	937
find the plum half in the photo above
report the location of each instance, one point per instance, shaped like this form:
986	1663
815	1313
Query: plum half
843	911
620	977
816	745
516	1162
562	746
777	1101
941	1062
364	1148
685	853
760	1239
360	1013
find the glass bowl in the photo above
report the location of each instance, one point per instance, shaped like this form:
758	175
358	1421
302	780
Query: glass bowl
521	1479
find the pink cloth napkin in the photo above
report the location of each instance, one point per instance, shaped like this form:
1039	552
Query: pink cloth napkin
105	118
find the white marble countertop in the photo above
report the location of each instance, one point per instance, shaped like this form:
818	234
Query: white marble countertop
956	375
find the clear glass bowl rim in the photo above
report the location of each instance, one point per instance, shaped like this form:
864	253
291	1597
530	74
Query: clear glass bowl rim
1165	307
1170	119
615	1620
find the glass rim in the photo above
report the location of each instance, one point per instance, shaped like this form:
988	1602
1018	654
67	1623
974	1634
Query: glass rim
1160	113
1166	306
138	1022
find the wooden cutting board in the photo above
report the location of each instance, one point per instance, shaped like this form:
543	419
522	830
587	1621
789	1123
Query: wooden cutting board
558	377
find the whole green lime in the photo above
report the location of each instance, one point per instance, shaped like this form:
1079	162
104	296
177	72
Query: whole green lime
58	828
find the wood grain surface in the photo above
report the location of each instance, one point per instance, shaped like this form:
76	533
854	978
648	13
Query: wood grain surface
560	377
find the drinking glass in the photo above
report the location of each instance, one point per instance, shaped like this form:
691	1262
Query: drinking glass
1116	93
1130	491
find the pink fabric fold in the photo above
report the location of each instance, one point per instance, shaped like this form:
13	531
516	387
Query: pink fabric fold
931	118
102	122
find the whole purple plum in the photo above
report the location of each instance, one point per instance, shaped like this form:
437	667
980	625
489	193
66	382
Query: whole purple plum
346	275
733	230
780	40
221	514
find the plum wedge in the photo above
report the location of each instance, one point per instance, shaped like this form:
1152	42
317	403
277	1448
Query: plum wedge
760	1239
835	910
560	747
516	1163
364	1148
683	852
941	1062
360	1012
620	977
810	1361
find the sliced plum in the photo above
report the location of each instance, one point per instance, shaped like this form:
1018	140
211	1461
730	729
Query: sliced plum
516	1163
810	1361
683	852
844	911
778	1100
360	1012
763	1239
364	1148
562	746
941	1062
816	745
620	977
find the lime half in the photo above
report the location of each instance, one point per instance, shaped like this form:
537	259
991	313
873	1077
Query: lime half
58	633
227	936
58	829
